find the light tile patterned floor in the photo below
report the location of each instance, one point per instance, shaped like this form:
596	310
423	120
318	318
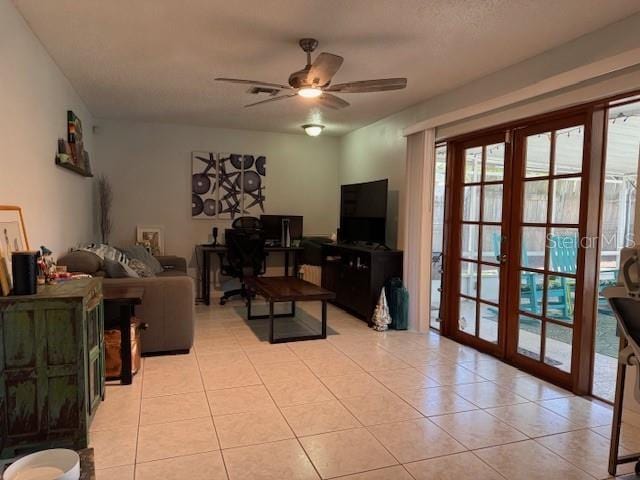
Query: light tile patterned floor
359	405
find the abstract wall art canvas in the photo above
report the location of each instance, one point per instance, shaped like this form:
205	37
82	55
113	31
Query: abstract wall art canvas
227	185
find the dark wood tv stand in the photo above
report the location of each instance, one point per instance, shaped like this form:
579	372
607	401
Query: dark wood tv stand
357	274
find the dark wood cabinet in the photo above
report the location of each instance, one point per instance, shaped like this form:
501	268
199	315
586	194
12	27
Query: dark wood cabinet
357	274
51	366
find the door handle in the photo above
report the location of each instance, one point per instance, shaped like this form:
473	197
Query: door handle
503	258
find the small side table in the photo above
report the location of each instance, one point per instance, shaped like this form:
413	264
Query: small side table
125	299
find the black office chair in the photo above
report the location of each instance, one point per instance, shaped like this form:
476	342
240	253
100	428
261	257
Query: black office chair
247	223
245	255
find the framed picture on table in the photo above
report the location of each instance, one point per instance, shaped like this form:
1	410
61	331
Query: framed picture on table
152	237
13	238
5	280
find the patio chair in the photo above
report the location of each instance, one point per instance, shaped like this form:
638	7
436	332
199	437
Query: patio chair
529	290
564	257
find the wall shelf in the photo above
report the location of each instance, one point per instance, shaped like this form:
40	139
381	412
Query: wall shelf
74	168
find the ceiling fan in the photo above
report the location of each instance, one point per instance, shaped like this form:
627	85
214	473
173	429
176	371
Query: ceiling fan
314	81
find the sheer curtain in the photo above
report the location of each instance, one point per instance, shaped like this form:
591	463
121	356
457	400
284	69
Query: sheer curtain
420	163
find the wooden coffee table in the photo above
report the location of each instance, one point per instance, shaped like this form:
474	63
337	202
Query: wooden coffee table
288	289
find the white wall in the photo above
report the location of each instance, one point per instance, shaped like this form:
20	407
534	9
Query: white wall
35	96
378	150
149	166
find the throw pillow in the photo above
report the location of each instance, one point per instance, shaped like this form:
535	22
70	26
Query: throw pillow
113	269
81	261
142	269
140	253
105	252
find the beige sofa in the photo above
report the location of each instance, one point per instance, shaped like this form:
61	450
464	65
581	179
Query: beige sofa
167	305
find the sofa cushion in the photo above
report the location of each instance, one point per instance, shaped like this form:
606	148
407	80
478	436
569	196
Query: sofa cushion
138	252
81	261
172	273
142	269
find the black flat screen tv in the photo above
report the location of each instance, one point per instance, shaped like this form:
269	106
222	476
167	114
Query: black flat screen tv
363	212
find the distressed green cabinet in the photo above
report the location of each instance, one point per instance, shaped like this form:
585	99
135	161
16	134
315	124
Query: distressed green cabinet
51	366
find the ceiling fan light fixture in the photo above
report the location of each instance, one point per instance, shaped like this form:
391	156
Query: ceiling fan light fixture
312	129
309	92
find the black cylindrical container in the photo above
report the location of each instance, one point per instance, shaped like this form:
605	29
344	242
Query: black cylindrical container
24	269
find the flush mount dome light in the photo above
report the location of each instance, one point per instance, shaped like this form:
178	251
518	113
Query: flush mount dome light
309	92
313	130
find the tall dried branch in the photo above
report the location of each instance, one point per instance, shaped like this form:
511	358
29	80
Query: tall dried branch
105	199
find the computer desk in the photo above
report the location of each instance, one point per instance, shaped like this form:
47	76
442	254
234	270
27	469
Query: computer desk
221	250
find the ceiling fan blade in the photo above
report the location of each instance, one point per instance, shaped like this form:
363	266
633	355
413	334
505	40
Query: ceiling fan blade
253	82
323	68
273	99
331	101
363	86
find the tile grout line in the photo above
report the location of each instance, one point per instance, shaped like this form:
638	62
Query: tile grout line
563	457
173	457
135	458
213	421
519	430
336	399
297	439
374	470
349	410
486	463
423	416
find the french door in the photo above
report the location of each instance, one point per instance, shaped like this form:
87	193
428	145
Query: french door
481	221
516	266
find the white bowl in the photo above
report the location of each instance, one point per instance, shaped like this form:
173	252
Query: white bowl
54	464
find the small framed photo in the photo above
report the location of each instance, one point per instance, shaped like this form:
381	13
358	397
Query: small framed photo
13	238
152	237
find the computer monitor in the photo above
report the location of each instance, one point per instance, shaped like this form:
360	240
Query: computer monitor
272	227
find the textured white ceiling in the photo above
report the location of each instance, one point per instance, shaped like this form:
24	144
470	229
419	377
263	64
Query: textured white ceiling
155	60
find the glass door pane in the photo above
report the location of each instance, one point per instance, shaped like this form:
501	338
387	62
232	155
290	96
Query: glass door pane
437	236
538	155
530	337
473	165
469	248
471	210
488	317
617	231
558	341
467	316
